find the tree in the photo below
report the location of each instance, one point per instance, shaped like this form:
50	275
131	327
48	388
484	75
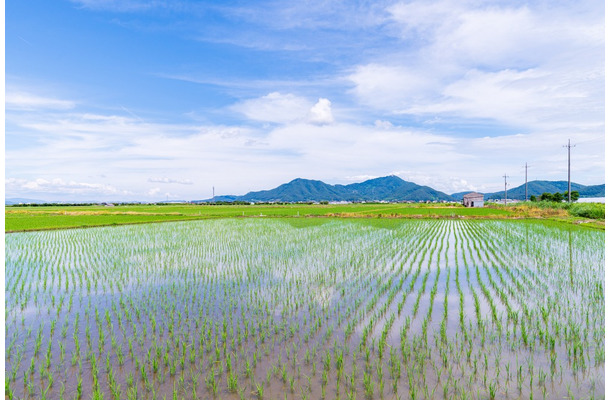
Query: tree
575	195
533	198
557	197
546	196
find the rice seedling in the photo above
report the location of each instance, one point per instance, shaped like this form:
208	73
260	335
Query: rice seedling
353	309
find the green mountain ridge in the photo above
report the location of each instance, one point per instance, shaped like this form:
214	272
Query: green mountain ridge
392	189
388	188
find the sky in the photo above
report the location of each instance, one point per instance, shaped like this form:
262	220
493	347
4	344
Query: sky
132	100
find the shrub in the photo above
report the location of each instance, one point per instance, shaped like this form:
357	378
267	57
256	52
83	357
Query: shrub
588	210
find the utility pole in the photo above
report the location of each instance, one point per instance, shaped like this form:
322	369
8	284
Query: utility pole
526	167
505	193
569	146
213	194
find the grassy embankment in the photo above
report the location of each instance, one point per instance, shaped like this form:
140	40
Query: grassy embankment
587	214
59	217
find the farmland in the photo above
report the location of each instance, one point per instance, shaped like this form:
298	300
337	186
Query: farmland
59	217
315	308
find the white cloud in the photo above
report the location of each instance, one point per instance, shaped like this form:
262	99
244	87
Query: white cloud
285	109
526	98
383	124
61	186
235	160
274	107
16	100
389	87
126	5
498	35
437	181
171	180
360	178
154	191
321	112
529	66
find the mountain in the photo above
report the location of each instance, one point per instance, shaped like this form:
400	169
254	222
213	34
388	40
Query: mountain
389	188
392	188
385	188
536	188
228	198
592	191
298	190
459	195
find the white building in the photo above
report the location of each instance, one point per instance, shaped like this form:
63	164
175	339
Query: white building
473	199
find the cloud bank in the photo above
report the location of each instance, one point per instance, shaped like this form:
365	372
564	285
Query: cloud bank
452	94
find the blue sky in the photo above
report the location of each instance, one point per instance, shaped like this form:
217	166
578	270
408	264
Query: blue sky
148	100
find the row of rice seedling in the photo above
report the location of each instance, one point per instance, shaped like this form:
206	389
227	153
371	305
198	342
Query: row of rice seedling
343	309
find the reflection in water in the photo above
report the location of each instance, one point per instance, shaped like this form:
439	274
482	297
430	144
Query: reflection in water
235	308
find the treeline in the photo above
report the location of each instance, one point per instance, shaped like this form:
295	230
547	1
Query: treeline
556	197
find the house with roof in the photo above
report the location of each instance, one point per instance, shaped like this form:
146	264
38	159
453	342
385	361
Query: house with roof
473	199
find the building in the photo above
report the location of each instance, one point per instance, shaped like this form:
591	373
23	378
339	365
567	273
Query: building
473	200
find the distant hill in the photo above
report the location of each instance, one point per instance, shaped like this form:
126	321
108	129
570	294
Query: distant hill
227	198
297	190
536	188
592	191
389	188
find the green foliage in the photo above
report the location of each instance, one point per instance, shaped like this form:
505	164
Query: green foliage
588	210
546	196
557	197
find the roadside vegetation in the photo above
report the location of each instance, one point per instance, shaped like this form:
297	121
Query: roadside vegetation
569	212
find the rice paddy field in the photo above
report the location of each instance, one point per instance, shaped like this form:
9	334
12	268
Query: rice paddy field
27	218
306	309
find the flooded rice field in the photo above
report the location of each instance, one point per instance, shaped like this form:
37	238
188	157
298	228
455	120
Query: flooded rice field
257	309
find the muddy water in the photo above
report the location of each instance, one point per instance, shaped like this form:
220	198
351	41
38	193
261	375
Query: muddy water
249	309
